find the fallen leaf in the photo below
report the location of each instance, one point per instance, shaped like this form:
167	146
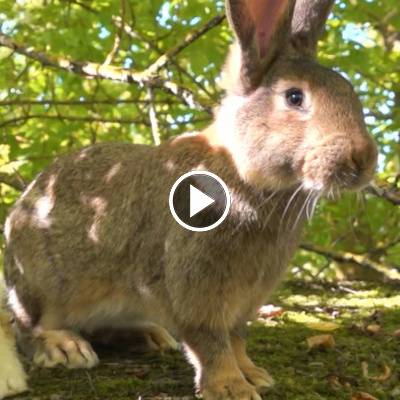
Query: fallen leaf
396	333
334	381
363	396
323	326
321	342
387	372
373	328
270	311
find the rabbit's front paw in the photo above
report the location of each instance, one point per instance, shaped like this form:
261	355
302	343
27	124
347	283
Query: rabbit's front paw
12	377
64	348
259	377
234	389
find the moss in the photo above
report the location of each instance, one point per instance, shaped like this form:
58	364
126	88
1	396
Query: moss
279	345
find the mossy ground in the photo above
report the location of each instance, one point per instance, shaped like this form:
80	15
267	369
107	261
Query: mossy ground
278	345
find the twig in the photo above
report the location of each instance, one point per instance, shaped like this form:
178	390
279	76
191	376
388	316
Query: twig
27	117
90	119
118	37
189	39
94	70
83	5
30	102
153	118
137	35
12	180
390	194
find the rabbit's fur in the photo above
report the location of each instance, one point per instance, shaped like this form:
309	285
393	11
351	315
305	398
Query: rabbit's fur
92	243
12	374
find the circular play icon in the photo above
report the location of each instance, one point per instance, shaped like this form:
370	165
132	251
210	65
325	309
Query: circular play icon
199	201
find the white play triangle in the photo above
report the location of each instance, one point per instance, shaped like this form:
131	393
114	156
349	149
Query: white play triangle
198	201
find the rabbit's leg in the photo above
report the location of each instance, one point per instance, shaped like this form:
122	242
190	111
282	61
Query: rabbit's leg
62	347
257	376
217	374
12	375
156	337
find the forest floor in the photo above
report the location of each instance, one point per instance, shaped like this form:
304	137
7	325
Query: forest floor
361	364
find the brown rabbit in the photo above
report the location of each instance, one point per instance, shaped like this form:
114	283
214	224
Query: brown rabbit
92	244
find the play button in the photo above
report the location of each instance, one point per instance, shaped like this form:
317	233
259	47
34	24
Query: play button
199	201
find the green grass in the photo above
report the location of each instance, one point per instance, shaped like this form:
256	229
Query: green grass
278	345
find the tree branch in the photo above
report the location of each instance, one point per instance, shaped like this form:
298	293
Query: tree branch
29	102
89	119
12	180
118	37
138	36
95	70
72	118
153	119
189	39
83	5
384	270
392	195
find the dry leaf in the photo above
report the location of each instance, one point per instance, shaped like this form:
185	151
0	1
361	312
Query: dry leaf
334	381
323	326
321	342
397	333
270	311
373	328
387	372
363	396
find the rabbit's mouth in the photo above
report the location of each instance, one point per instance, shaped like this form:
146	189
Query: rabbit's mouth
332	181
335	183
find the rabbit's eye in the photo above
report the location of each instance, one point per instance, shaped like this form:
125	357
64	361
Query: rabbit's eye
294	97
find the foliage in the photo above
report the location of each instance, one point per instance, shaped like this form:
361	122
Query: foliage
46	111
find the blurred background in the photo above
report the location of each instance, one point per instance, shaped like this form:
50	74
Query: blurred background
52	102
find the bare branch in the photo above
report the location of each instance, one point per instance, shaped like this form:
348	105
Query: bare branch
13	181
94	70
83	5
91	119
392	195
172	60
29	102
25	118
118	37
153	118
386	271
189	39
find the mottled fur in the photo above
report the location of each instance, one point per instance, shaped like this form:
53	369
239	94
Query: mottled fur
92	244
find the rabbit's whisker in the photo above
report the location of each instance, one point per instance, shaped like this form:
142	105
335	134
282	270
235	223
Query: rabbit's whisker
271	212
315	202
257	208
310	202
286	209
291	200
301	211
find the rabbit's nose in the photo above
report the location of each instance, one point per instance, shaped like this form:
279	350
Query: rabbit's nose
364	154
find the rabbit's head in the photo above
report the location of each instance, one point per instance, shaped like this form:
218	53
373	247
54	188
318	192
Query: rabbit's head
286	120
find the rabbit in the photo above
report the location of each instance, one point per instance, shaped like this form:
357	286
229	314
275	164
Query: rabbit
12	374
92	245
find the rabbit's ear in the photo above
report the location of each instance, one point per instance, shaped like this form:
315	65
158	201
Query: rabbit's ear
308	23
262	29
